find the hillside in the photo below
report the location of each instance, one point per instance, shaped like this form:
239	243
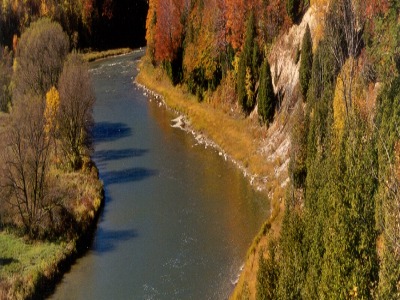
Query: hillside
316	86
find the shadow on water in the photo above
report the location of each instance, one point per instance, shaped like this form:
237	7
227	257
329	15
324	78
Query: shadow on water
110	132
127	175
111	238
108	155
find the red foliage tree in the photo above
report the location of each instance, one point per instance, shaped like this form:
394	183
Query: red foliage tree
107	9
151	22
169	29
236	11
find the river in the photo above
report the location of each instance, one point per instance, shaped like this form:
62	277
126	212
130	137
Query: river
178	218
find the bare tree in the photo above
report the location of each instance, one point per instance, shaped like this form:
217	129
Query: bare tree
344	28
25	169
5	78
76	107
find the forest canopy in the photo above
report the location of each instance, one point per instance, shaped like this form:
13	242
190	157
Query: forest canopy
339	235
99	24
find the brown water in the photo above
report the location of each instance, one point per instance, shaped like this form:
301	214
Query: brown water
178	218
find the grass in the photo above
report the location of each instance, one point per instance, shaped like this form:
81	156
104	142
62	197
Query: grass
96	55
26	266
23	265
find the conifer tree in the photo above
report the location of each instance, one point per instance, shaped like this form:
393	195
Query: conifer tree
306	62
246	100
266	95
292	8
268	274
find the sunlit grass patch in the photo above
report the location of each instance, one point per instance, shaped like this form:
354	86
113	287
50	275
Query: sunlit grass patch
96	55
24	264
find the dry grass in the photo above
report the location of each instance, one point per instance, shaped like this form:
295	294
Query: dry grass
97	55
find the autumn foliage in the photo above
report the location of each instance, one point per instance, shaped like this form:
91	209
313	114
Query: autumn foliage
339	234
197	41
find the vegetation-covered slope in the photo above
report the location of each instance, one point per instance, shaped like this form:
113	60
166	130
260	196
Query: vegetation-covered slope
334	68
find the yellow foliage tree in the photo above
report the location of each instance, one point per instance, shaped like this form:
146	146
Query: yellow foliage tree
339	108
320	8
350	96
249	84
51	110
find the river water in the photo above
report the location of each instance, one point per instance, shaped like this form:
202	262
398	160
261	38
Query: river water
178	218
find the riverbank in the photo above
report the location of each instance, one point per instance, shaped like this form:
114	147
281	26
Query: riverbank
31	269
240	140
97	55
236	136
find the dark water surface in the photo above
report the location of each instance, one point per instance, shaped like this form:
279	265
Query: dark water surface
178	218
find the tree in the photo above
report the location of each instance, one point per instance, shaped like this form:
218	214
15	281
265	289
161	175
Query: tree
245	80
151	22
306	62
298	149
26	164
5	78
344	25
293	9
266	95
171	16
388	198
40	57
268	274
75	118
236	11
50	115
350	264
273	17
293	264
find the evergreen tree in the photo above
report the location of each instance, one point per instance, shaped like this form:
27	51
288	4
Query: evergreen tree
268	274
266	95
350	262
298	149
387	200
319	181
293	9
245	88
306	62
292	265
